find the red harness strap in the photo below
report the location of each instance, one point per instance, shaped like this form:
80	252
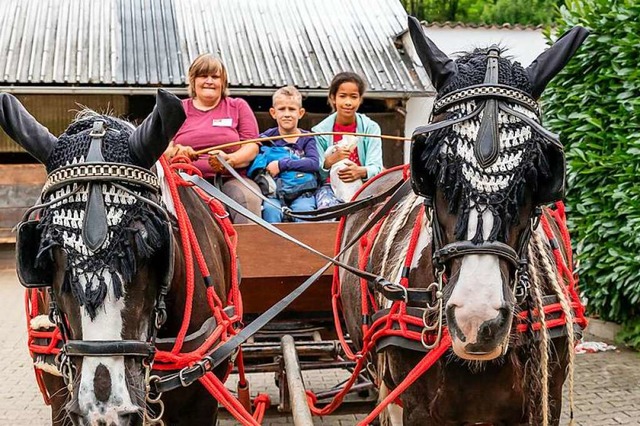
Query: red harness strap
176	359
53	338
566	276
226	326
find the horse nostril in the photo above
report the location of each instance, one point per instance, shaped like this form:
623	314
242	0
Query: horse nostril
490	329
102	383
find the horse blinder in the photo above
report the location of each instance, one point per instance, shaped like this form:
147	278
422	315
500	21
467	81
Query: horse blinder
551	188
423	182
34	270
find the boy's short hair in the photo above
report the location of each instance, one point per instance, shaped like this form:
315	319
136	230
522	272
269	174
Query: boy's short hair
290	92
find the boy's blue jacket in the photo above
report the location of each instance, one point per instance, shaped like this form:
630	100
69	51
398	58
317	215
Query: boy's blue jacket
300	156
369	148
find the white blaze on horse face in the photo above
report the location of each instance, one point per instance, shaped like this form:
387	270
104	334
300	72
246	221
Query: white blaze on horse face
107	325
477	296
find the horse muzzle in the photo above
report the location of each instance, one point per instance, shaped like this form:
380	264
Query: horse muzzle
478	340
114	416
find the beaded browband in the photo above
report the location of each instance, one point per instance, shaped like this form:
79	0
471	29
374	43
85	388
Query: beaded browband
86	172
486	91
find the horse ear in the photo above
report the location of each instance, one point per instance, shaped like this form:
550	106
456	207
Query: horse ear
24	129
152	137
438	65
551	61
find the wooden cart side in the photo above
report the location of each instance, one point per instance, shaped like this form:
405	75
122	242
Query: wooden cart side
272	267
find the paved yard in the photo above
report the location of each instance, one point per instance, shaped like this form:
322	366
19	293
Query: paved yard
607	384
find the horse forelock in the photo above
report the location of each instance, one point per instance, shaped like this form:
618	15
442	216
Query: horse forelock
73	144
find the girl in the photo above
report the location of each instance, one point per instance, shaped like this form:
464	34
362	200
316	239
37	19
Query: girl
345	96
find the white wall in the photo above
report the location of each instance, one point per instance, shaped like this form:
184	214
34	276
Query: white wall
418	113
524	44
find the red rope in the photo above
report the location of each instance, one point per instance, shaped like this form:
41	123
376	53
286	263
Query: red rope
382	327
217	389
429	359
261	403
565	268
54	338
336	286
185	236
225	328
242	377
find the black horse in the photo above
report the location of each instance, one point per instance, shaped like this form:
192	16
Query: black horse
109	251
480	171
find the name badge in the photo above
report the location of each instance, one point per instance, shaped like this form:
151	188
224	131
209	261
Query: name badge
222	122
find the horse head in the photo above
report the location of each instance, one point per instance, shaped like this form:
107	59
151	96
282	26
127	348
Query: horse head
484	165
102	245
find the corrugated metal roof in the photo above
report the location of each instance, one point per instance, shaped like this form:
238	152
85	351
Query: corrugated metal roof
147	43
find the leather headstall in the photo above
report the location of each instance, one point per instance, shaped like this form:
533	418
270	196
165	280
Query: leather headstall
491	98
31	271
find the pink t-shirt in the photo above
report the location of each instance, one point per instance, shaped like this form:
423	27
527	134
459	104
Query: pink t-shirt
230	121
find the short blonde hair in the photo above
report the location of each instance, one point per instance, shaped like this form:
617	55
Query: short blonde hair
204	65
288	91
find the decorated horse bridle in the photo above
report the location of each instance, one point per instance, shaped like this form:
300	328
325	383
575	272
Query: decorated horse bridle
490	98
92	173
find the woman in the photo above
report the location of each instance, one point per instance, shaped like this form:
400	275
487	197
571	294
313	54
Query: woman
214	118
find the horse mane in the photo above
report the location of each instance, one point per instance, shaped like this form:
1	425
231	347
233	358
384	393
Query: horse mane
392	259
472	67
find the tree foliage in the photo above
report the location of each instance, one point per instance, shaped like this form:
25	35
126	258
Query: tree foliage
595	105
485	12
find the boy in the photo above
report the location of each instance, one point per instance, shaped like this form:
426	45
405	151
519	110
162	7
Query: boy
297	161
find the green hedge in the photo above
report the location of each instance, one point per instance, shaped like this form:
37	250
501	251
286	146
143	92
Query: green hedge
595	105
